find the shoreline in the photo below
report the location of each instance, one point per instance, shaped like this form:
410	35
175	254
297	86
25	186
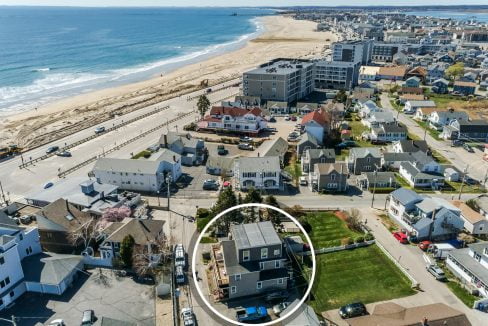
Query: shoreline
280	36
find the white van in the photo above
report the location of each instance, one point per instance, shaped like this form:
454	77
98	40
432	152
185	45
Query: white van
179	275
180	256
303	181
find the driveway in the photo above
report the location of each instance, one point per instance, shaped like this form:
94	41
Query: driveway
108	295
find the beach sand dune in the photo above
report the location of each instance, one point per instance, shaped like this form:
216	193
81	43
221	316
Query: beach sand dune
282	37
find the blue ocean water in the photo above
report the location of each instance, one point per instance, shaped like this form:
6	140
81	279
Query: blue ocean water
52	52
458	15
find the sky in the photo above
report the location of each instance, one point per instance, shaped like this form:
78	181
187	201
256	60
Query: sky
228	3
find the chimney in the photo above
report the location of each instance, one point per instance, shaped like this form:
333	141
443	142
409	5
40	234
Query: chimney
165	137
174	158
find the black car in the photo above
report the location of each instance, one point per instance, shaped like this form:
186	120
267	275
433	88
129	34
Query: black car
355	309
64	154
468	148
52	149
276	296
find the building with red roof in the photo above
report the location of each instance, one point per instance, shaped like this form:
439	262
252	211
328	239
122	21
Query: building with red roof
234	119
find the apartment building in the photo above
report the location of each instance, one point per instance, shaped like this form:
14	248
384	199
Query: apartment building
340	75
353	51
283	80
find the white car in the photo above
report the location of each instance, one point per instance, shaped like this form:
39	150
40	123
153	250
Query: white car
57	322
187	316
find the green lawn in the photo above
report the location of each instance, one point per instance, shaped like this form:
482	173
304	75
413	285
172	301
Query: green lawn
456	186
439	158
363	274
328	230
425	125
467	298
394	105
443	100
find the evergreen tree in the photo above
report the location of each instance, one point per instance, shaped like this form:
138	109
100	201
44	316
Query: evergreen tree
203	105
226	200
252	196
126	250
273	215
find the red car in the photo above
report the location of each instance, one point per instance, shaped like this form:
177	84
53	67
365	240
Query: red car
293	118
401	237
424	245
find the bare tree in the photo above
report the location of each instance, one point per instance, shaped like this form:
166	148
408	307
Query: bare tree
353	220
146	258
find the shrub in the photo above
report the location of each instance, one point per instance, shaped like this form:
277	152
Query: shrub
201	223
203	213
346	241
359	239
368	236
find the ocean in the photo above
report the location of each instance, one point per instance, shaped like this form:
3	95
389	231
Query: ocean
458	15
47	53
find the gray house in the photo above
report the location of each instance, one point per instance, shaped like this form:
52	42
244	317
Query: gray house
369	180
307	141
192	150
313	156
329	176
251	262
218	165
364	159
275	147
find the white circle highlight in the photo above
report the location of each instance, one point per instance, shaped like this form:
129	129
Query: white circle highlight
310	284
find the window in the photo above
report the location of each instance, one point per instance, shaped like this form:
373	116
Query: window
259	285
12	294
264	253
246	255
277	264
21	236
261	265
7	280
1	302
237	277
280	281
233	289
2	260
277	252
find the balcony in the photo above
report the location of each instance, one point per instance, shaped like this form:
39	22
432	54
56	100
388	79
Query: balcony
411	218
220	274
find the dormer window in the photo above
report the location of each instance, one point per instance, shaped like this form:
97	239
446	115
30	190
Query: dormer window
246	255
264	253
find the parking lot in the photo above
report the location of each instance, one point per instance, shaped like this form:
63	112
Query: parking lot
100	290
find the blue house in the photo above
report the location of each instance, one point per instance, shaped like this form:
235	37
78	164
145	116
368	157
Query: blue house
445	58
440	86
412	82
435	72
464	87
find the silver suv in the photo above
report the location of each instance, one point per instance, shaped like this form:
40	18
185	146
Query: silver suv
436	271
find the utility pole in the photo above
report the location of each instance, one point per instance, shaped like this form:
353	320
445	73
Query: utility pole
462	182
3	194
374	186
425	132
168	183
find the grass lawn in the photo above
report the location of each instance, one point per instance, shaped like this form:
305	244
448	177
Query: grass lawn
456	186
388	222
443	100
425	125
439	158
467	298
363	274
328	230
394	105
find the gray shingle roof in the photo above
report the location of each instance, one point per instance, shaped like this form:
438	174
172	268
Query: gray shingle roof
307	137
254	235
405	196
327	168
135	166
468	262
411	146
257	164
361	152
316	153
143	231
49	268
276	147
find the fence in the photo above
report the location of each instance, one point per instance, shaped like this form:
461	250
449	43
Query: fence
84	140
415	284
338	248
113	149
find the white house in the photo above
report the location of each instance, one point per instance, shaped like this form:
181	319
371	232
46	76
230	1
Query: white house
471	266
474	222
409	146
427	218
423	172
389	132
235	119
139	175
366	108
412	106
423	114
376	118
315	124
257	172
441	118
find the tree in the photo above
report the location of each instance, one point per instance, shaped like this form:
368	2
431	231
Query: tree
295	211
455	70
203	104
253	196
341	96
145	259
226	200
473	204
273	215
126	250
353	220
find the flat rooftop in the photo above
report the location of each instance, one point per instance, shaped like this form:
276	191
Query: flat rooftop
255	235
280	67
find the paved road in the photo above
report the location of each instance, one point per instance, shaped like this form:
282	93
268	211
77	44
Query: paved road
460	158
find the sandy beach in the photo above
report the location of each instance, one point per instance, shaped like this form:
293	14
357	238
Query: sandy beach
282	37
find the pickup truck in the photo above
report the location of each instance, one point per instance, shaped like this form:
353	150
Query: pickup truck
251	314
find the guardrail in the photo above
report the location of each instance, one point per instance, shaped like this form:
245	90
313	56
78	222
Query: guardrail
84	140
62	174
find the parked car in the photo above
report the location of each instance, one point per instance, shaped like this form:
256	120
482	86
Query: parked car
272	119
378	142
99	130
303	181
471	181
293	118
436	271
424	245
278	309
221	150
245	146
57	322
271	129
456	143
287	118
153	148
210	184
88	318
48	185
52	149
245	139
401	237
468	148
25	219
144	279
354	309
251	314
276	295
64	154
187	316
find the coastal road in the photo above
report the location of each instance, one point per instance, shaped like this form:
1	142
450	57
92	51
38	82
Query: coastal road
477	168
17	182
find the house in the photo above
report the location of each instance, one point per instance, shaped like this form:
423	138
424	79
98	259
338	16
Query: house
393	314
440	118
435	72
330	177
440	86
192	150
472	130
444	57
257	172
250	263
233	119
274	147
423	172
388	132
423	114
363	159
148	175
392	161
411	97
220	165
412	106
370	180
305	107
469	77
315	124
278	108
57	222
375	119
410	146
145	232
419	72
312	156
413	81
368	107
464	87
392	73
474	222
427	218
451	175
471	266
404	90
307	141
